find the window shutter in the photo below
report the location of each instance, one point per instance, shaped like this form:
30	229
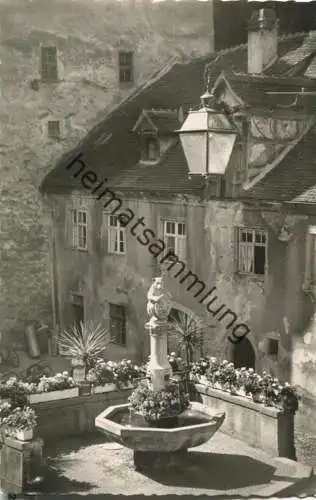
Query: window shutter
69	233
236	248
182	247
112	239
308	261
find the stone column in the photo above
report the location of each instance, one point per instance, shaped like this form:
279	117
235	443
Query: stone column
158	308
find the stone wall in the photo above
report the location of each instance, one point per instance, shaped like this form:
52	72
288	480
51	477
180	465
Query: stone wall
74	416
88	36
266	428
269	429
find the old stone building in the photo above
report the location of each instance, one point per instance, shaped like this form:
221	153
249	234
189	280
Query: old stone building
220	185
63	65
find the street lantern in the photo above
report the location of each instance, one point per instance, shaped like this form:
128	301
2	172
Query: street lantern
208	137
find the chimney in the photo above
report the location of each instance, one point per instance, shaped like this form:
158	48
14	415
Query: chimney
262	40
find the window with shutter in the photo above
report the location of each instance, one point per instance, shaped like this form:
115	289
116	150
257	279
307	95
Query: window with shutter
310	260
79	229
118	324
116	236
251	251
175	238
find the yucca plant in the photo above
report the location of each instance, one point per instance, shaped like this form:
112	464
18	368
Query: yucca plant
188	332
85	343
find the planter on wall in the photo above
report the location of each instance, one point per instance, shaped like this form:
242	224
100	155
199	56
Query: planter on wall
53	395
100	389
268	428
24	435
128	385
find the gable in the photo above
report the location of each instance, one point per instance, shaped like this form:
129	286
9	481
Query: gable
224	93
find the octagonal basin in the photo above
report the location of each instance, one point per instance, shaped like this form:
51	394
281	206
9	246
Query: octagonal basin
194	427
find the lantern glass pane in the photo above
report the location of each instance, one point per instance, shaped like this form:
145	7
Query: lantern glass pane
196	121
194	147
219	153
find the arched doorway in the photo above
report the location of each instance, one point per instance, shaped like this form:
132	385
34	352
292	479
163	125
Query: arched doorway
244	354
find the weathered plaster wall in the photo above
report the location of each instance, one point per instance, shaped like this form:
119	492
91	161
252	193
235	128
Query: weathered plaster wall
262	304
276	304
88	36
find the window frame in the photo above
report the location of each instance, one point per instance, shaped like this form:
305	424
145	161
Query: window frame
75	228
50	135
118	338
182	254
119	230
309	281
146	140
47	73
271	340
126	67
240	244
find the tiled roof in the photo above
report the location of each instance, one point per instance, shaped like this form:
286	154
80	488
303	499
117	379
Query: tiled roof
262	91
306	198
169	175
164	120
118	160
294	175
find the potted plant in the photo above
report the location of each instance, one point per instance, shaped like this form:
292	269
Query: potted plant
289	398
83	344
5	410
125	373
59	386
159	408
199	370
20	423
187	330
16	391
101	377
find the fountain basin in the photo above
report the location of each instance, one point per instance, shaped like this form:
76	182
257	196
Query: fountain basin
195	426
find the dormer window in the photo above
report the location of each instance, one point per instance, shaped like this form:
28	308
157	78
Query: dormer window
150	148
156	129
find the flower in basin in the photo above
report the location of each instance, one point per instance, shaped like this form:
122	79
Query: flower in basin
170	401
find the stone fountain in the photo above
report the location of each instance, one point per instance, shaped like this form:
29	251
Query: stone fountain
156	445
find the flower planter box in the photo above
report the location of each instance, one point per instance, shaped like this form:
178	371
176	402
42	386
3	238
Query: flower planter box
100	389
268	428
53	395
203	380
128	385
24	435
85	389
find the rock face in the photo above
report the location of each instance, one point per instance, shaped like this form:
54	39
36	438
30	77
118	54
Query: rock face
88	37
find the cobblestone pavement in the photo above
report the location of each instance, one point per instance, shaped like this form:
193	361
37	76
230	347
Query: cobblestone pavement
224	465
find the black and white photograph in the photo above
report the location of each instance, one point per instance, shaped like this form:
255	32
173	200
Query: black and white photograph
157	248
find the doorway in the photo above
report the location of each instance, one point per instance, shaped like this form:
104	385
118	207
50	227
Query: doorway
77	309
244	354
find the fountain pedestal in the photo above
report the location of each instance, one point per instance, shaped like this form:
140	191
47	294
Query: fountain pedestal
157	444
158	307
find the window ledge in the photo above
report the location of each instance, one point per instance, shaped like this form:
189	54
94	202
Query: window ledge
83	250
255	277
118	343
149	162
